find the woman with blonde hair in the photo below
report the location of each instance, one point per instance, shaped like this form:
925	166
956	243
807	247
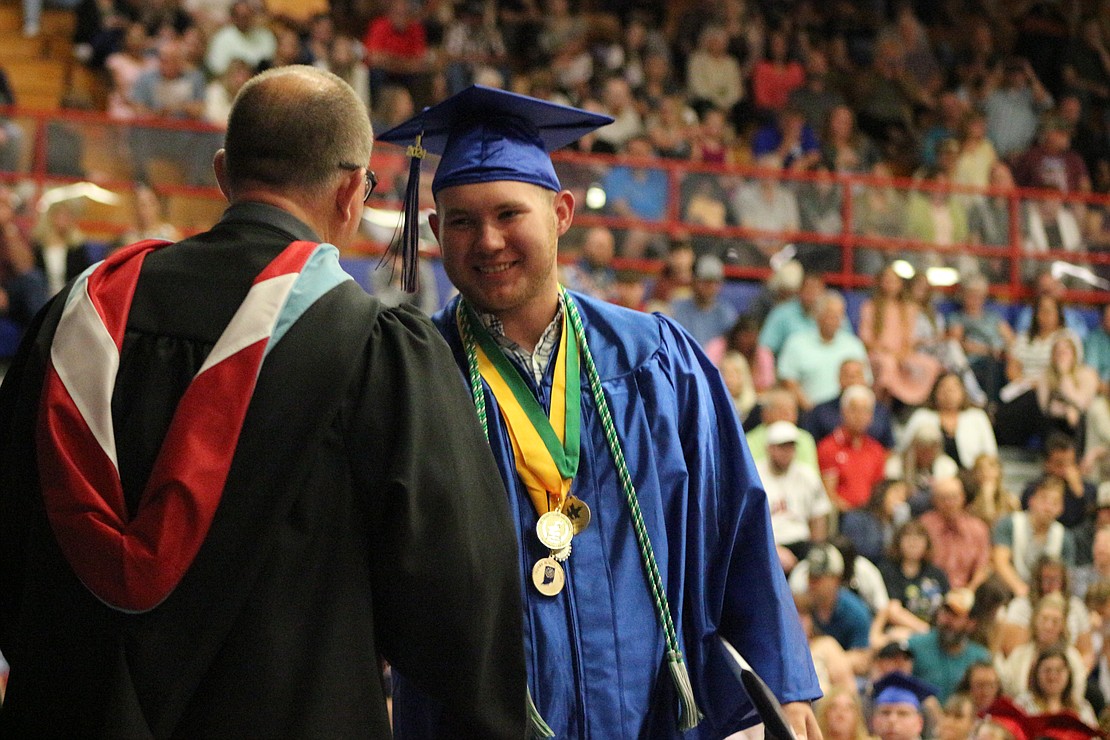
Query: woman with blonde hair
957	718
61	250
840	716
1049	576
1067	388
990	500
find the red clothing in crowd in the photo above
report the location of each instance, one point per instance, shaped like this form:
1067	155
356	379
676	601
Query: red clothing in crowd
405	43
857	463
960	548
1041	168
772	84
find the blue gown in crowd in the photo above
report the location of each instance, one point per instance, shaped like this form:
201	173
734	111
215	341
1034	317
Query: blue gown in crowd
596	650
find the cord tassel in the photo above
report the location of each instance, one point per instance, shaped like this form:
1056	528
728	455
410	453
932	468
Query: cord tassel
538	727
688	713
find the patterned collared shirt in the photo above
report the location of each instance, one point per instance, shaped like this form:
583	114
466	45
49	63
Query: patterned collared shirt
536	360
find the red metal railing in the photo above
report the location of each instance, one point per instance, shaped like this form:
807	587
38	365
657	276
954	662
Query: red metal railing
390	163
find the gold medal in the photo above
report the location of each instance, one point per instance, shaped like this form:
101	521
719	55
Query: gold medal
578	513
548	576
562	555
554	530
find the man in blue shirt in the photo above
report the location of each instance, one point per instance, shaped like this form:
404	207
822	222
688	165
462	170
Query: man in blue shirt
705	315
809	365
792	315
637	189
942	655
837	611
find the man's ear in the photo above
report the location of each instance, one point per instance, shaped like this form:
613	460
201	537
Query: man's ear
433	221
564	211
348	196
219	166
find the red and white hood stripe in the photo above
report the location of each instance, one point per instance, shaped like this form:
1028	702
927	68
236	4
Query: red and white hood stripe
134	563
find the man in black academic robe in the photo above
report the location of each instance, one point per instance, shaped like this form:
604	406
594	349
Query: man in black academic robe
362	516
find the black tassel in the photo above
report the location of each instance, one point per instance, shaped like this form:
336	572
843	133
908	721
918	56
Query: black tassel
410	219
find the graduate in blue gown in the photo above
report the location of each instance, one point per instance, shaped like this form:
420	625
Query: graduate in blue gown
623	638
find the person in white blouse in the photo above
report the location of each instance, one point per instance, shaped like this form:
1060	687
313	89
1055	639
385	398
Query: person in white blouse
966	431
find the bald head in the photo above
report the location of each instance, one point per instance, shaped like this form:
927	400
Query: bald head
295	128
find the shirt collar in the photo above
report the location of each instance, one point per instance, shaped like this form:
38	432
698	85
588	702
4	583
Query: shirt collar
269	216
537	360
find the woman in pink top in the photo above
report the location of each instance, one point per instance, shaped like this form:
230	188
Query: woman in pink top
886	326
125	67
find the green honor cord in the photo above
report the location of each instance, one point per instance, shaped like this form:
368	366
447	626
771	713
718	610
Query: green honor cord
688	713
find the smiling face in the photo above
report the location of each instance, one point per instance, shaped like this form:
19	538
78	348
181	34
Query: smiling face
499	242
950	393
1048	627
1053	675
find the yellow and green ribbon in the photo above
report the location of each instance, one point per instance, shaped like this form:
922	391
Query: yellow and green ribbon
546	445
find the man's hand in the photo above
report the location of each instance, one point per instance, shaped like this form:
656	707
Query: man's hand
802	721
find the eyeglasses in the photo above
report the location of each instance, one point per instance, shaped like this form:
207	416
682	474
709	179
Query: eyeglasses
371	178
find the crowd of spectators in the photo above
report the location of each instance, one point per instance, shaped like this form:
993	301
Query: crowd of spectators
960	93
878	431
947	97
883	442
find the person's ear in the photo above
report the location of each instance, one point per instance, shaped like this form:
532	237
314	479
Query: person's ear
219	166
564	211
433	221
348	195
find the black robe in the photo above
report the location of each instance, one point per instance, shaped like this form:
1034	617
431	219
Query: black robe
363	516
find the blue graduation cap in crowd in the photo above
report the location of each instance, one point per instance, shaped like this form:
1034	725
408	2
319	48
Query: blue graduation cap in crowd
901	688
484	135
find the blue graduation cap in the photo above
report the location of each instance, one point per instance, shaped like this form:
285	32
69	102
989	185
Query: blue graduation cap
901	688
484	135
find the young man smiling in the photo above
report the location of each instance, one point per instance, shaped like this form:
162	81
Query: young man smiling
591	408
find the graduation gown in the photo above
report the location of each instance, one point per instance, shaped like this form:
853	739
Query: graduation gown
595	651
353	524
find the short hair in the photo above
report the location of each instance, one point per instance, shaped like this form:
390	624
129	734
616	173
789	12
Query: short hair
292	127
1050	483
857	393
829	296
1098	595
779	396
1058	441
975	281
